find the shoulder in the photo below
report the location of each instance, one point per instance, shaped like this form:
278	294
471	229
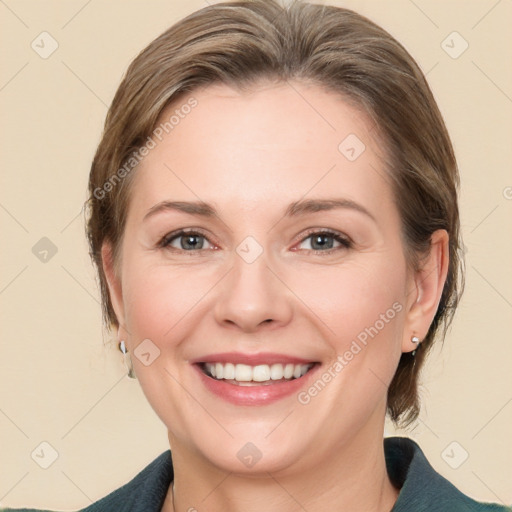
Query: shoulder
2	509
423	489
144	493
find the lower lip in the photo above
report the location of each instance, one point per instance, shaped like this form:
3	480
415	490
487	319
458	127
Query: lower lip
254	394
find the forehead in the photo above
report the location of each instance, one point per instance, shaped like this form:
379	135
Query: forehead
272	141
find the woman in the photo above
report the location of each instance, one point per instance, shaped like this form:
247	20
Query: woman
273	215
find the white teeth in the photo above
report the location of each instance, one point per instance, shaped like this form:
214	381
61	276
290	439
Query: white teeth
259	373
229	371
243	372
276	372
288	371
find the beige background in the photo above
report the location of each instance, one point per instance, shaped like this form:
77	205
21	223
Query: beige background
61	384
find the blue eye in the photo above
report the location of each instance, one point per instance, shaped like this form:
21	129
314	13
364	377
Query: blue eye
190	240
323	241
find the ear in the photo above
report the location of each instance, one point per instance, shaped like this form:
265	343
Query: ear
426	290
113	282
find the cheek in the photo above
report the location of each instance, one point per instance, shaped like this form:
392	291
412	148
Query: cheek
347	301
159	299
362	310
356	300
164	305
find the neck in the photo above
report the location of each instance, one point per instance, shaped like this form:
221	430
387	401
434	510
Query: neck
353	478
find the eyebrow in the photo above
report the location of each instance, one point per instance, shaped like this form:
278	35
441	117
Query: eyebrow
302	207
317	205
199	208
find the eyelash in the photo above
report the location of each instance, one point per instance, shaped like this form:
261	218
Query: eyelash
345	242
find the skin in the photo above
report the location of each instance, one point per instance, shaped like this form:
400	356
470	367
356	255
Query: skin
250	154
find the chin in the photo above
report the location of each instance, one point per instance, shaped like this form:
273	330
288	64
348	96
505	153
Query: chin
252	459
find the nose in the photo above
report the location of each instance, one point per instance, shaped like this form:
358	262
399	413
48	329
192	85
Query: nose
252	297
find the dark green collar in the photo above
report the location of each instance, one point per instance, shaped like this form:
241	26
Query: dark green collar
422	489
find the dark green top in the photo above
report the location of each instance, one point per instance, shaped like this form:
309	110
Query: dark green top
422	489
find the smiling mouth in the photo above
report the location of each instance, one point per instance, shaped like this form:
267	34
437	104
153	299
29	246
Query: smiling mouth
259	375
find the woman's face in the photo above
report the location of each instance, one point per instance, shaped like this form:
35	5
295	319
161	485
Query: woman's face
296	264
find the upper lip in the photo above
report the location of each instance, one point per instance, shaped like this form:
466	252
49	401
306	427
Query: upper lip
251	359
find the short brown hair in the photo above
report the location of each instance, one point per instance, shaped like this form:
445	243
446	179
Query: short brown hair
239	43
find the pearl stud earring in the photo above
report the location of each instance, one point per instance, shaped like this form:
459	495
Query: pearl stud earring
416	341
